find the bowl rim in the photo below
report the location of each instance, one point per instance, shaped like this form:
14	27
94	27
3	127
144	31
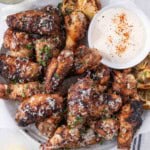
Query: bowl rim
129	5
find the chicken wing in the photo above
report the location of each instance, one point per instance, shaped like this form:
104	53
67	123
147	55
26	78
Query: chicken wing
130	120
35	21
76	24
88	7
86	59
18	43
85	101
124	84
37	108
64	137
104	105
49	125
20	91
57	69
106	128
101	75
47	48
18	69
79	95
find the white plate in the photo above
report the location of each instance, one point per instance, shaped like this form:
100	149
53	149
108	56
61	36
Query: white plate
11	106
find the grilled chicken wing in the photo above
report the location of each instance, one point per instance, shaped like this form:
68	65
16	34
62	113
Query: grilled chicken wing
106	128
101	75
47	48
64	137
79	95
104	105
37	108
20	91
76	24
88	7
18	69
58	69
18	43
36	21
124	84
86	59
85	101
129	120
49	125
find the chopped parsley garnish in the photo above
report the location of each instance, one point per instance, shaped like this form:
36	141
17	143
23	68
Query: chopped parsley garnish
45	55
78	120
46	50
101	142
29	46
8	91
56	75
42	62
59	6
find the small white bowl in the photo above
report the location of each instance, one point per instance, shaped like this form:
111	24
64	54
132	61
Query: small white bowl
146	24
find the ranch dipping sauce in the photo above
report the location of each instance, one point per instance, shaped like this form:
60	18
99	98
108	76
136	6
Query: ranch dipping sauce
118	34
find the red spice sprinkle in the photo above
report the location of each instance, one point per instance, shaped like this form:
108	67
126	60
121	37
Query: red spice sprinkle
123	30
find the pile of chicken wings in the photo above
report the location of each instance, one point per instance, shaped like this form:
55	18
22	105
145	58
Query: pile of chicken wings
63	88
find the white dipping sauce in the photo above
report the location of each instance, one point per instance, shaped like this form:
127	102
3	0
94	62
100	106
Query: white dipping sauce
118	34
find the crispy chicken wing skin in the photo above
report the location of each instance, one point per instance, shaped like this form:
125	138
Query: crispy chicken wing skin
86	59
129	120
18	43
125	84
76	24
57	69
49	125
88	7
20	91
37	108
63	138
18	69
35	21
47	48
106	128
